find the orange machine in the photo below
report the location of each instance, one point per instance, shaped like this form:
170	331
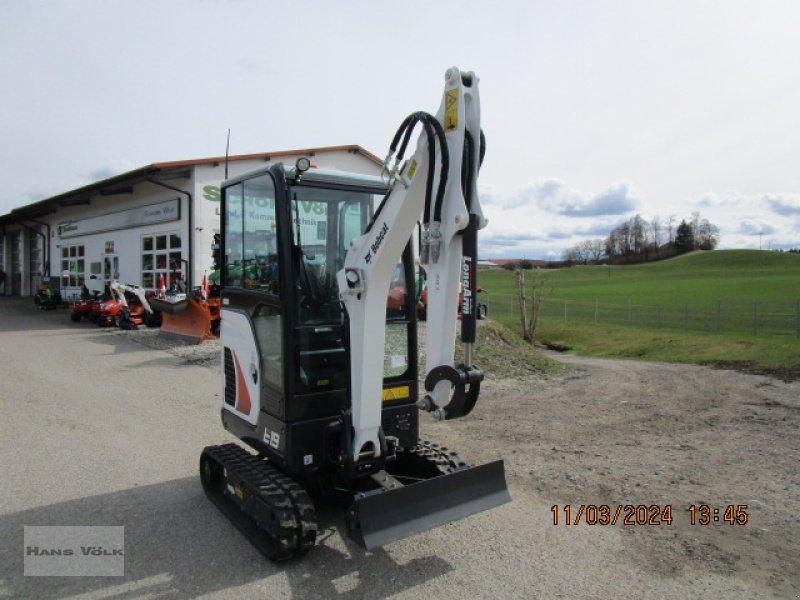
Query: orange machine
191	318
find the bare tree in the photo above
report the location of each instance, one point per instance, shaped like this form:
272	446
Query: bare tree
707	235
529	316
656	226
597	248
671	226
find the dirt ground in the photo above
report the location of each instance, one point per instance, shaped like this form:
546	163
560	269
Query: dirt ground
608	432
623	432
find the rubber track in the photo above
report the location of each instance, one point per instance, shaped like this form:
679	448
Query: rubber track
291	508
445	461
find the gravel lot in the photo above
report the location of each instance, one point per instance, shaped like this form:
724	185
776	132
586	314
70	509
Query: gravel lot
103	427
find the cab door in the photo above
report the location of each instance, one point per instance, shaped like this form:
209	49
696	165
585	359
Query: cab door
251	333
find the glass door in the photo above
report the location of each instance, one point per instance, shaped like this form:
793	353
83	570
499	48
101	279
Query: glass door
110	269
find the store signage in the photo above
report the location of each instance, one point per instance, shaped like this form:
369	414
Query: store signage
162	212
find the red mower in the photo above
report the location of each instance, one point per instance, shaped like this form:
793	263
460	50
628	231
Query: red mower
88	306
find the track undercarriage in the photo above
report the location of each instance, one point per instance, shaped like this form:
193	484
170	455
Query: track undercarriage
422	487
270	508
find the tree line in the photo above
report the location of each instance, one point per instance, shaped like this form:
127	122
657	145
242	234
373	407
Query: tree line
639	240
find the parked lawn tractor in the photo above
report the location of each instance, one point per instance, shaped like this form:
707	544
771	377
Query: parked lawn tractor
88	306
47	298
127	308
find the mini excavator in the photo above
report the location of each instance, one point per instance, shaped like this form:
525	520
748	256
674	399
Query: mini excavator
319	377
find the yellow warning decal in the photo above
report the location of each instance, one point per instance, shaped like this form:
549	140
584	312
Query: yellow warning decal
239	492
396	393
450	109
412	168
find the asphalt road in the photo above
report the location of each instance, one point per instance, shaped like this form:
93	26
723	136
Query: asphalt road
100	430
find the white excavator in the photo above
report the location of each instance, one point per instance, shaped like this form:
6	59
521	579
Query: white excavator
129	317
320	379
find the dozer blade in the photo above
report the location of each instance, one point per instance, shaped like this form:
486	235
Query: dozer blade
189	320
380	517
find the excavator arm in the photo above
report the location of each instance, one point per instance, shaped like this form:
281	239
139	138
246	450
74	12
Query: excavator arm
119	290
437	186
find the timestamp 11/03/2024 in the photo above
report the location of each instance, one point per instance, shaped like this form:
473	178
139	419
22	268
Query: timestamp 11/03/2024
647	514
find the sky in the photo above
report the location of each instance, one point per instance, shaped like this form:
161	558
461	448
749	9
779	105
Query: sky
593	111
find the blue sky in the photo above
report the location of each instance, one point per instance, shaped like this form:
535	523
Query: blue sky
593	111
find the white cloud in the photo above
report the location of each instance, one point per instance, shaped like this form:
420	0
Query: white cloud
786	205
554	196
756	228
109	169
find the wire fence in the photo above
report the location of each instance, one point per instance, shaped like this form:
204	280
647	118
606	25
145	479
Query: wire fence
722	316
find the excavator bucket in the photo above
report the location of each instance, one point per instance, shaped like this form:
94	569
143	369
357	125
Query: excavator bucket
190	320
382	516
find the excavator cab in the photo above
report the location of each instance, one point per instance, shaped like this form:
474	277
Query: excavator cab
284	329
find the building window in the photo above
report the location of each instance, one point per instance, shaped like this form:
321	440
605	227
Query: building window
72	266
161	255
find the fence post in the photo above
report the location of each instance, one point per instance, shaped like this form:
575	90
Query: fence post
719	314
686	316
659	315
596	306
629	312
565	309
797	320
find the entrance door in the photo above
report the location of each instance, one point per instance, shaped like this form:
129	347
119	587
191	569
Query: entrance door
110	269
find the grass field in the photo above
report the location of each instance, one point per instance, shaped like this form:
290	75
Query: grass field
700	284
750	275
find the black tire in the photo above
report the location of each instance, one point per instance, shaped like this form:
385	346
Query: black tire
75	317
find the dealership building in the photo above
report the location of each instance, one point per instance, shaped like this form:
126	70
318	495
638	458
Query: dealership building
132	227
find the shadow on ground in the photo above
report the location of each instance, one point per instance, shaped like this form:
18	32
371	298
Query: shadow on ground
178	545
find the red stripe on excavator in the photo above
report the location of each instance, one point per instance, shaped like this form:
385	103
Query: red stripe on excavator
243	403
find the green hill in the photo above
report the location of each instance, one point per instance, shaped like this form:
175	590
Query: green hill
698	277
725	307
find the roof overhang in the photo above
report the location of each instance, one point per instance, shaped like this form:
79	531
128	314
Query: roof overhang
119	184
165	171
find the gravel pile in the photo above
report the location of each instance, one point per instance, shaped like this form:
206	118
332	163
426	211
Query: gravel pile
206	354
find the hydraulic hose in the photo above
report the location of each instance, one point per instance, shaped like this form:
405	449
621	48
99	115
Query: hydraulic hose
404	132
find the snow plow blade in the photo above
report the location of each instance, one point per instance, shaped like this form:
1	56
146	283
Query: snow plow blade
188	320
379	517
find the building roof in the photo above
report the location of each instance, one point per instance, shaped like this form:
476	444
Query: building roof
163	171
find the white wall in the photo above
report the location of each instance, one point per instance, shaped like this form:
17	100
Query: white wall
128	241
203	184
